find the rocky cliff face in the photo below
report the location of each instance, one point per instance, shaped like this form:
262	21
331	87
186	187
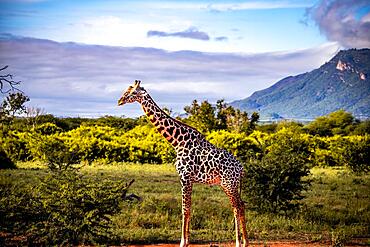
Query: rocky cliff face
341	83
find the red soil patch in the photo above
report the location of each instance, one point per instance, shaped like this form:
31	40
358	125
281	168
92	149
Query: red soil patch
260	244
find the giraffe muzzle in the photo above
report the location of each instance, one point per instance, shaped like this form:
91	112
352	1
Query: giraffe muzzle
121	102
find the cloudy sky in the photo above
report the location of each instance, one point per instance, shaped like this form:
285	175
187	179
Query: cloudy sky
74	57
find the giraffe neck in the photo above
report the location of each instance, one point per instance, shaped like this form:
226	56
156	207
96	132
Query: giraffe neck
173	130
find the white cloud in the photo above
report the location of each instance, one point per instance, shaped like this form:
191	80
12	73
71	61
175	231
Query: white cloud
337	20
111	30
232	6
85	80
117	31
255	5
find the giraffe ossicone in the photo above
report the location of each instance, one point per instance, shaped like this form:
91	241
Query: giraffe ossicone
197	161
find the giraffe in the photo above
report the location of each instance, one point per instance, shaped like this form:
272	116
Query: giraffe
197	161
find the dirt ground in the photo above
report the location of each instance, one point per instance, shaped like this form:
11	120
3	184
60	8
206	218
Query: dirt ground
6	240
354	243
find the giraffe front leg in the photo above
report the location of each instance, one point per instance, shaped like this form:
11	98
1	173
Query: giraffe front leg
186	188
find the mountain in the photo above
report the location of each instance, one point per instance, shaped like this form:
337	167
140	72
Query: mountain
341	83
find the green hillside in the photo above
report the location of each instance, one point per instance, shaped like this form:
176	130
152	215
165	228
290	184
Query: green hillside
341	83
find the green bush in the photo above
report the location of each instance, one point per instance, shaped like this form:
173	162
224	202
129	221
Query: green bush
275	182
355	153
88	143
335	123
48	129
78	209
351	151
146	145
239	144
64	208
18	208
14	144
53	151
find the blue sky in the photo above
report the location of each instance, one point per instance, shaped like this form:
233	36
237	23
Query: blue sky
75	57
258	26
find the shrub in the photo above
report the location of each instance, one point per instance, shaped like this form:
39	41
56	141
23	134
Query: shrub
96	142
351	151
64	208
239	144
18	208
275	182
362	128
14	144
78	208
355	153
53	151
325	151
146	145
48	129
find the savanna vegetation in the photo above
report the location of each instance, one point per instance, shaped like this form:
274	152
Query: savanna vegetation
110	180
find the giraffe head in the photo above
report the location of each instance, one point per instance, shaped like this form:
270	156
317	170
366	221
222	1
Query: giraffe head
132	94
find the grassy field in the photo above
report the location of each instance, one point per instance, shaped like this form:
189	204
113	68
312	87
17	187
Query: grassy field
337	208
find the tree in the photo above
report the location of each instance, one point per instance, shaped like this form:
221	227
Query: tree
14	102
207	118
233	119
335	123
12	105
362	128
202	116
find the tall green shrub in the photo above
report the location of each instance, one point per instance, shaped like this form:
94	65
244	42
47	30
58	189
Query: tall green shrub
355	153
78	209
53	151
275	182
14	144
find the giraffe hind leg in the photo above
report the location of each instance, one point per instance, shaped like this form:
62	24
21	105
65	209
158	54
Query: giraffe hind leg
239	214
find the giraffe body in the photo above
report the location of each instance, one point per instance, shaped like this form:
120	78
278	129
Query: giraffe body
197	161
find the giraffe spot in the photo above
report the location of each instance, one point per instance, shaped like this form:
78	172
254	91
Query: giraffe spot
175	133
170	130
170	139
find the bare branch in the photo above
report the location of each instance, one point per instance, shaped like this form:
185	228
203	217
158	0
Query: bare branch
5	67
33	114
6	81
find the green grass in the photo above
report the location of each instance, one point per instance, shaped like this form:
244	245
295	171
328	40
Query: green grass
337	207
